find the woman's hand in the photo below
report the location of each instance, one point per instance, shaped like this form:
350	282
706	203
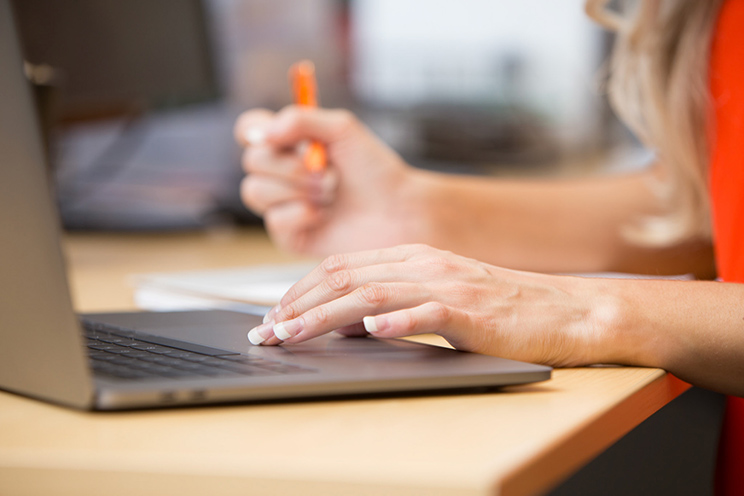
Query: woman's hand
366	197
416	289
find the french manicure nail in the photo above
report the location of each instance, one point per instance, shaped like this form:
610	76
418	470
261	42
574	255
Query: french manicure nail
254	337
255	136
261	333
288	329
370	324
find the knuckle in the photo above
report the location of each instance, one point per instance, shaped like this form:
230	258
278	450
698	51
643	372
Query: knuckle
342	123
334	263
321	316
340	282
291	295
405	251
345	118
409	322
289	313
413	250
442	264
291	115
373	294
440	312
430	259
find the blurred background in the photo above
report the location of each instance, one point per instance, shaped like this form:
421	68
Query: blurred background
138	98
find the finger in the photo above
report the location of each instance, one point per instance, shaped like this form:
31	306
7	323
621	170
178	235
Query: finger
430	317
261	193
264	334
345	282
353	331
270	315
271	161
249	125
320	187
294	124
370	299
346	262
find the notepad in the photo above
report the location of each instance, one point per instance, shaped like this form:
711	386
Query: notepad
252	289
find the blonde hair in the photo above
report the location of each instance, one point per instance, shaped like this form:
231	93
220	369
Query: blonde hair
659	87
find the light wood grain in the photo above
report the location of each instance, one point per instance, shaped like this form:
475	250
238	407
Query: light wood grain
522	440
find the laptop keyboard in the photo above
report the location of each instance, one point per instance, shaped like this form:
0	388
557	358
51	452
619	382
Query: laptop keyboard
119	353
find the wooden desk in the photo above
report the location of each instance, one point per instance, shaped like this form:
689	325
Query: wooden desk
521	441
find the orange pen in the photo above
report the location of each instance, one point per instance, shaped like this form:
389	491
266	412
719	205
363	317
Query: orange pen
305	89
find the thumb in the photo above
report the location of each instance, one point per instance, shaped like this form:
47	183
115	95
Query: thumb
296	123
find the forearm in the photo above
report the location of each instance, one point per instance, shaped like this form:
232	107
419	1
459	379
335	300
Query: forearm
551	226
693	329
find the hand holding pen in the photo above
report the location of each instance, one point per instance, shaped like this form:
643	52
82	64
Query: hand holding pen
322	182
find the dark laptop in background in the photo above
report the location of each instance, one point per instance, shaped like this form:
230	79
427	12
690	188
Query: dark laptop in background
138	360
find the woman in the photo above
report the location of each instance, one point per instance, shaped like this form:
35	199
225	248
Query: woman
677	81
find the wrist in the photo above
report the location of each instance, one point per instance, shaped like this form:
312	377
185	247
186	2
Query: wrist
415	206
625	331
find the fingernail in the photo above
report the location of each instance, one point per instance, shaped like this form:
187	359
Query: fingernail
370	324
271	313
255	136
254	337
288	329
261	333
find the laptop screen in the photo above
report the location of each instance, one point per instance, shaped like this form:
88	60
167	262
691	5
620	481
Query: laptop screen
41	353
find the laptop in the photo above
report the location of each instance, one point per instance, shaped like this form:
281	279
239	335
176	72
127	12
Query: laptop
141	360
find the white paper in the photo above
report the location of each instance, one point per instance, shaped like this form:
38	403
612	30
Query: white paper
254	288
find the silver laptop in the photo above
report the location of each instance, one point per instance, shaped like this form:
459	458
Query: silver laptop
140	360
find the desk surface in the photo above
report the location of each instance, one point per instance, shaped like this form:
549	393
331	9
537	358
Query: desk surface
522	440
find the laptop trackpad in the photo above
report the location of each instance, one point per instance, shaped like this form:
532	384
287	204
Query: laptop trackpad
227	330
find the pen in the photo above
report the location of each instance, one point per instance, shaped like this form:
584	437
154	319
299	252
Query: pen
305	90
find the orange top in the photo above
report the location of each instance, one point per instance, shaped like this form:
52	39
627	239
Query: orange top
727	200
304	87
